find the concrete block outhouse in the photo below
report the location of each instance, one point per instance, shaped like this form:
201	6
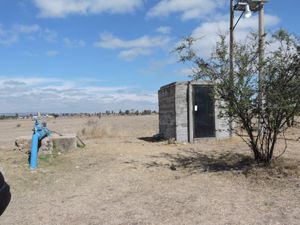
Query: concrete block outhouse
188	111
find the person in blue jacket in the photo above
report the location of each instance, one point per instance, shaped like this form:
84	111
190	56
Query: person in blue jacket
5	195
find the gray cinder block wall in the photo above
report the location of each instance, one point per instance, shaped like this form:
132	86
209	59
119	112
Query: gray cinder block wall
167	117
176	112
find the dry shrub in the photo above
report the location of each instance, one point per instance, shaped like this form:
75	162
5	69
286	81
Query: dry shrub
95	128
282	170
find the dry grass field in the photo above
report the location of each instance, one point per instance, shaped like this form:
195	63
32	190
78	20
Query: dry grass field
123	176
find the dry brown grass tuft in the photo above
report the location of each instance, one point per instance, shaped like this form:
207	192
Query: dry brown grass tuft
280	168
96	128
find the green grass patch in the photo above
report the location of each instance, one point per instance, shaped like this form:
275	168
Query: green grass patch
46	158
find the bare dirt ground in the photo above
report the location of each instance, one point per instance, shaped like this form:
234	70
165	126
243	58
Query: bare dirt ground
123	176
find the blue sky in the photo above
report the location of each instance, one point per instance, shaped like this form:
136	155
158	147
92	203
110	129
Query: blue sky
97	55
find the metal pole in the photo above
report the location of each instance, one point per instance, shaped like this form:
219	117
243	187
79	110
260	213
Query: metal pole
231	38
261	33
231	42
261	38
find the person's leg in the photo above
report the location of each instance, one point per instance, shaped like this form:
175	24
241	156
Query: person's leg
5	195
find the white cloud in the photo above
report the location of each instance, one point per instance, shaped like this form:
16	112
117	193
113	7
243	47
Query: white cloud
69	43
189	9
131	49
62	8
8	37
27	29
49	35
187	71
58	95
12	35
31	81
133	53
164	30
8	40
52	53
208	32
107	40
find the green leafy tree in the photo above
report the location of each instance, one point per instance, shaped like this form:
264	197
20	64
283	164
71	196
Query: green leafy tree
261	119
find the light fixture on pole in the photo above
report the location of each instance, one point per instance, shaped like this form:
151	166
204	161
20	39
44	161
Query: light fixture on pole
248	12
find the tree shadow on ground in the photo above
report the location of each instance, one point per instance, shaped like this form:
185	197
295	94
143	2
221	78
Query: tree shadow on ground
204	162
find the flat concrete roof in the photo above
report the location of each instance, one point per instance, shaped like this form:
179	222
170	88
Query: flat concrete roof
192	82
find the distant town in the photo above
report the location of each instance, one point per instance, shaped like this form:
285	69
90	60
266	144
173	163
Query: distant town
30	115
